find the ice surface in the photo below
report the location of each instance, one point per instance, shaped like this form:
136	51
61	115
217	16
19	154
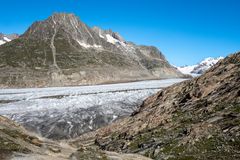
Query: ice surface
66	112
2	42
6	39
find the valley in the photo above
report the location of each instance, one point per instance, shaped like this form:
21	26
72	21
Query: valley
67	112
161	83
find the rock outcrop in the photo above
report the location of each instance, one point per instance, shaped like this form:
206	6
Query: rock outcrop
63	51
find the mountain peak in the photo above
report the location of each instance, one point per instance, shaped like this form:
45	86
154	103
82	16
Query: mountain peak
62	14
211	61
200	67
59	18
68	26
71	52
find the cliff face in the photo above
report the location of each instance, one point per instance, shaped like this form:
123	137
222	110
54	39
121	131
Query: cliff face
196	119
62	50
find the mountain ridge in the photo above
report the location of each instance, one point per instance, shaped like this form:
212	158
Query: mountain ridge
201	67
62	51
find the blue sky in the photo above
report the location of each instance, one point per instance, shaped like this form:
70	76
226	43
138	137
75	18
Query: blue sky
186	31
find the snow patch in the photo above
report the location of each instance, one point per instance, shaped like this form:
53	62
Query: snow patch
2	42
101	35
6	39
85	45
97	46
110	39
114	117
186	69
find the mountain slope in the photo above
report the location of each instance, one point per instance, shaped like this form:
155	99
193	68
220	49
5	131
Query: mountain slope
201	67
196	119
62	50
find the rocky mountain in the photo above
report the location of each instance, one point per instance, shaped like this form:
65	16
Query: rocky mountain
201	67
4	38
62	50
196	119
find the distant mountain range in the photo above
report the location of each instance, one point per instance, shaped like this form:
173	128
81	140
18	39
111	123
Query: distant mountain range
62	51
4	38
199	68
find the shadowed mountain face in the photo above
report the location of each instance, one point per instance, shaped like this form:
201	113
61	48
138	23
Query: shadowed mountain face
196	119
62	50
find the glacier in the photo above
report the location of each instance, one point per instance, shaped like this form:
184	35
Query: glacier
67	112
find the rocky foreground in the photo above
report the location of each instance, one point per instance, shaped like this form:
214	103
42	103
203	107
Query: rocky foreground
18	144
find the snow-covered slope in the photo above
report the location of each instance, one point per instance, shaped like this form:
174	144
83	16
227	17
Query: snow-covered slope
4	38
186	69
200	67
205	65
